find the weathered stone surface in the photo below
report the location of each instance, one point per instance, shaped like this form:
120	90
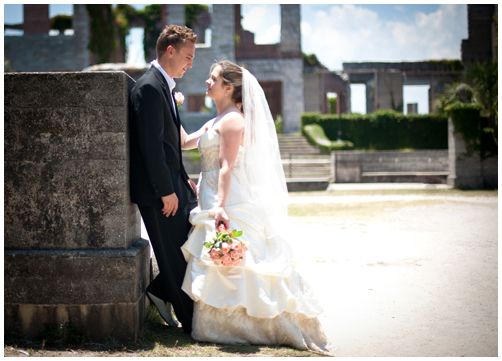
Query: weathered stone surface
69	205
73	251
46	134
67	162
98	322
350	166
81	89
77	277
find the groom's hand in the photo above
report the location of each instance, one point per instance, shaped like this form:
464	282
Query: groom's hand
170	205
194	186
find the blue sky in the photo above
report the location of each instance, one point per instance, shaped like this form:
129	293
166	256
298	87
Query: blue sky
339	33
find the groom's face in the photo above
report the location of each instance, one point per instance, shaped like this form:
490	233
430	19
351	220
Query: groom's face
181	59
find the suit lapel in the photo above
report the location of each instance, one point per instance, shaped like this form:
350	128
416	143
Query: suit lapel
167	92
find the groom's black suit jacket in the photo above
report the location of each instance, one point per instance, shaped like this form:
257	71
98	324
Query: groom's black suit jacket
156	164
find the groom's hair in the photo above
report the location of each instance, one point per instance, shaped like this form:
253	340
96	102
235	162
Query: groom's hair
175	36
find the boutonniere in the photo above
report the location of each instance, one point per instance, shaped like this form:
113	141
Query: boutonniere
179	98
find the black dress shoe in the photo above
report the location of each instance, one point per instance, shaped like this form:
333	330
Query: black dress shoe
165	309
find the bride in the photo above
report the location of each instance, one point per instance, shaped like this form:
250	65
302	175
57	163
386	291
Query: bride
263	300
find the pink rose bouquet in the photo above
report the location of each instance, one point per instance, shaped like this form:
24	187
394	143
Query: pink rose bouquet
226	249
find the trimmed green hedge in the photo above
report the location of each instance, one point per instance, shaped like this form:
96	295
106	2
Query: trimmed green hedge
385	129
316	136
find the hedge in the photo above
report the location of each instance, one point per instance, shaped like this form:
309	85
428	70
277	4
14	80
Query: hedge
316	136
385	129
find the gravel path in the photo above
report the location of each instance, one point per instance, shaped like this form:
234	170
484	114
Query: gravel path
414	278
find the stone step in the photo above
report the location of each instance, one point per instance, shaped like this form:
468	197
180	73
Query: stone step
303	161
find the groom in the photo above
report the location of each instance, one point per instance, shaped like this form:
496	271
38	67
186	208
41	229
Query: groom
159	183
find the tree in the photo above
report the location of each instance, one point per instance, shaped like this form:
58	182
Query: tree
103	41
484	80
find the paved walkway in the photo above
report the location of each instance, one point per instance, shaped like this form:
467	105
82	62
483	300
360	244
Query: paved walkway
414	278
403	274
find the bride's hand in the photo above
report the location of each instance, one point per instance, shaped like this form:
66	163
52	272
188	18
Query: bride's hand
220	216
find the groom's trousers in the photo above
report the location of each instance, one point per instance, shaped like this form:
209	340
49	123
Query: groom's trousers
167	235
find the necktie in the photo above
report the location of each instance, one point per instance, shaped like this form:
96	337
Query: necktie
175	107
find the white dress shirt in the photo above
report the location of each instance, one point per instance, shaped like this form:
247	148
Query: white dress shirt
170	81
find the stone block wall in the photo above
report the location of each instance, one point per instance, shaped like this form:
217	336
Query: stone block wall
391	166
222	47
72	250
312	85
36	19
469	172
290	72
42	52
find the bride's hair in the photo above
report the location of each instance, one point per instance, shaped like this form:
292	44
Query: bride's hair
231	74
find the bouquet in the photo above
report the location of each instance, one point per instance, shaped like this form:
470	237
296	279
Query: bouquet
226	249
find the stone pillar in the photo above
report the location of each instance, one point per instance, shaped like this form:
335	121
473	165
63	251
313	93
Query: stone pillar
290	29
72	250
223	31
292	92
82	31
176	14
389	90
370	94
465	172
36	19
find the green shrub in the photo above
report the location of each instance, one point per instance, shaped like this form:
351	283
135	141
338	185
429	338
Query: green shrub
278	124
385	129
316	136
477	136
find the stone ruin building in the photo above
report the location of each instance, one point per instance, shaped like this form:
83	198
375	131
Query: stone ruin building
278	67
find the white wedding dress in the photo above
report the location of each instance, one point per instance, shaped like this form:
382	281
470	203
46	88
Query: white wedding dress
262	301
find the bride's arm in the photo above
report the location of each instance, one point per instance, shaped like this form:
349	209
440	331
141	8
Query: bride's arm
231	132
189	141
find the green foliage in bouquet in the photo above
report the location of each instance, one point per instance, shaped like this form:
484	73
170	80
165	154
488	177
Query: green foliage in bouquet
224	236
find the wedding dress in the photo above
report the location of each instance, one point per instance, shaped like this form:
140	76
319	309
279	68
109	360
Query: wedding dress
261	301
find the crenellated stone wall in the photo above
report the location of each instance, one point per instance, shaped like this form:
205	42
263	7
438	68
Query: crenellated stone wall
72	250
43	53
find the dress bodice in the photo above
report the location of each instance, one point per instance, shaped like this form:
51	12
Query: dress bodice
209	150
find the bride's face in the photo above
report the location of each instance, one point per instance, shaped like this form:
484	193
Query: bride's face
215	88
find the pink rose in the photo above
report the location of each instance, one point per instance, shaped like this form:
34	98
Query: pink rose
236	246
236	254
225	247
236	262
179	97
244	248
217	261
214	254
226	259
